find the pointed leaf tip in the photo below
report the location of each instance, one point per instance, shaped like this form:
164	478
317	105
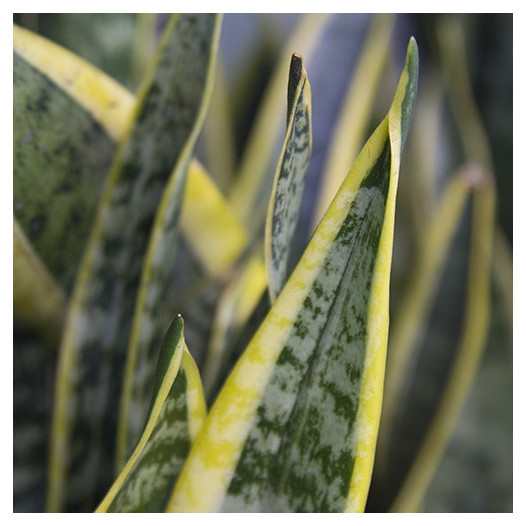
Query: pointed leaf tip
402	108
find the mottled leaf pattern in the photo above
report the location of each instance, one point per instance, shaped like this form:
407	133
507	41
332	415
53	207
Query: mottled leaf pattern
177	413
294	428
97	330
253	184
31	414
61	157
283	212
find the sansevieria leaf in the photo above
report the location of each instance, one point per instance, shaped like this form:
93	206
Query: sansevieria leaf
295	426
250	191
54	192
177	413
241	297
289	180
99	320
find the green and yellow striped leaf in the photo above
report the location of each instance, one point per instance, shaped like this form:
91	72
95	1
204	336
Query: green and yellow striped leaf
177	413
165	123
61	154
234	308
295	426
289	179
250	192
156	274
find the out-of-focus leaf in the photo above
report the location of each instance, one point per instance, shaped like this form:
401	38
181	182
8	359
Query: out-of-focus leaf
105	99
476	472
294	428
355	114
470	347
454	64
31	416
218	135
166	123
211	227
249	194
106	40
289	179
37	299
177	413
54	192
145	43
414	308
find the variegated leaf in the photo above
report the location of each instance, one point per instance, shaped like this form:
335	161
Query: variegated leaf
54	193
99	320
234	309
294	428
250	192
289	180
177	413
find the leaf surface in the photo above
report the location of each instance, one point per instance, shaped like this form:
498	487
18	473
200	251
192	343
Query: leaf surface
177	412
54	194
289	179
166	122
295	426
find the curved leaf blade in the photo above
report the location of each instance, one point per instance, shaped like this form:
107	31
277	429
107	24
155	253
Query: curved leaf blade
100	317
105	99
295	426
55	195
177	412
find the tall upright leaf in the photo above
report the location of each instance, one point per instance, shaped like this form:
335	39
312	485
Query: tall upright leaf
251	190
99	320
289	180
295	426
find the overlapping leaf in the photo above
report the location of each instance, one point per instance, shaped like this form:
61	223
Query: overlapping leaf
177	412
166	124
54	193
294	428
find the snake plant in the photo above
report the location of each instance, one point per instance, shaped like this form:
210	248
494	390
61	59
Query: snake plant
201	312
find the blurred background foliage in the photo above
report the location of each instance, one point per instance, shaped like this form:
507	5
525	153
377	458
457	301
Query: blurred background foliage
475	472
